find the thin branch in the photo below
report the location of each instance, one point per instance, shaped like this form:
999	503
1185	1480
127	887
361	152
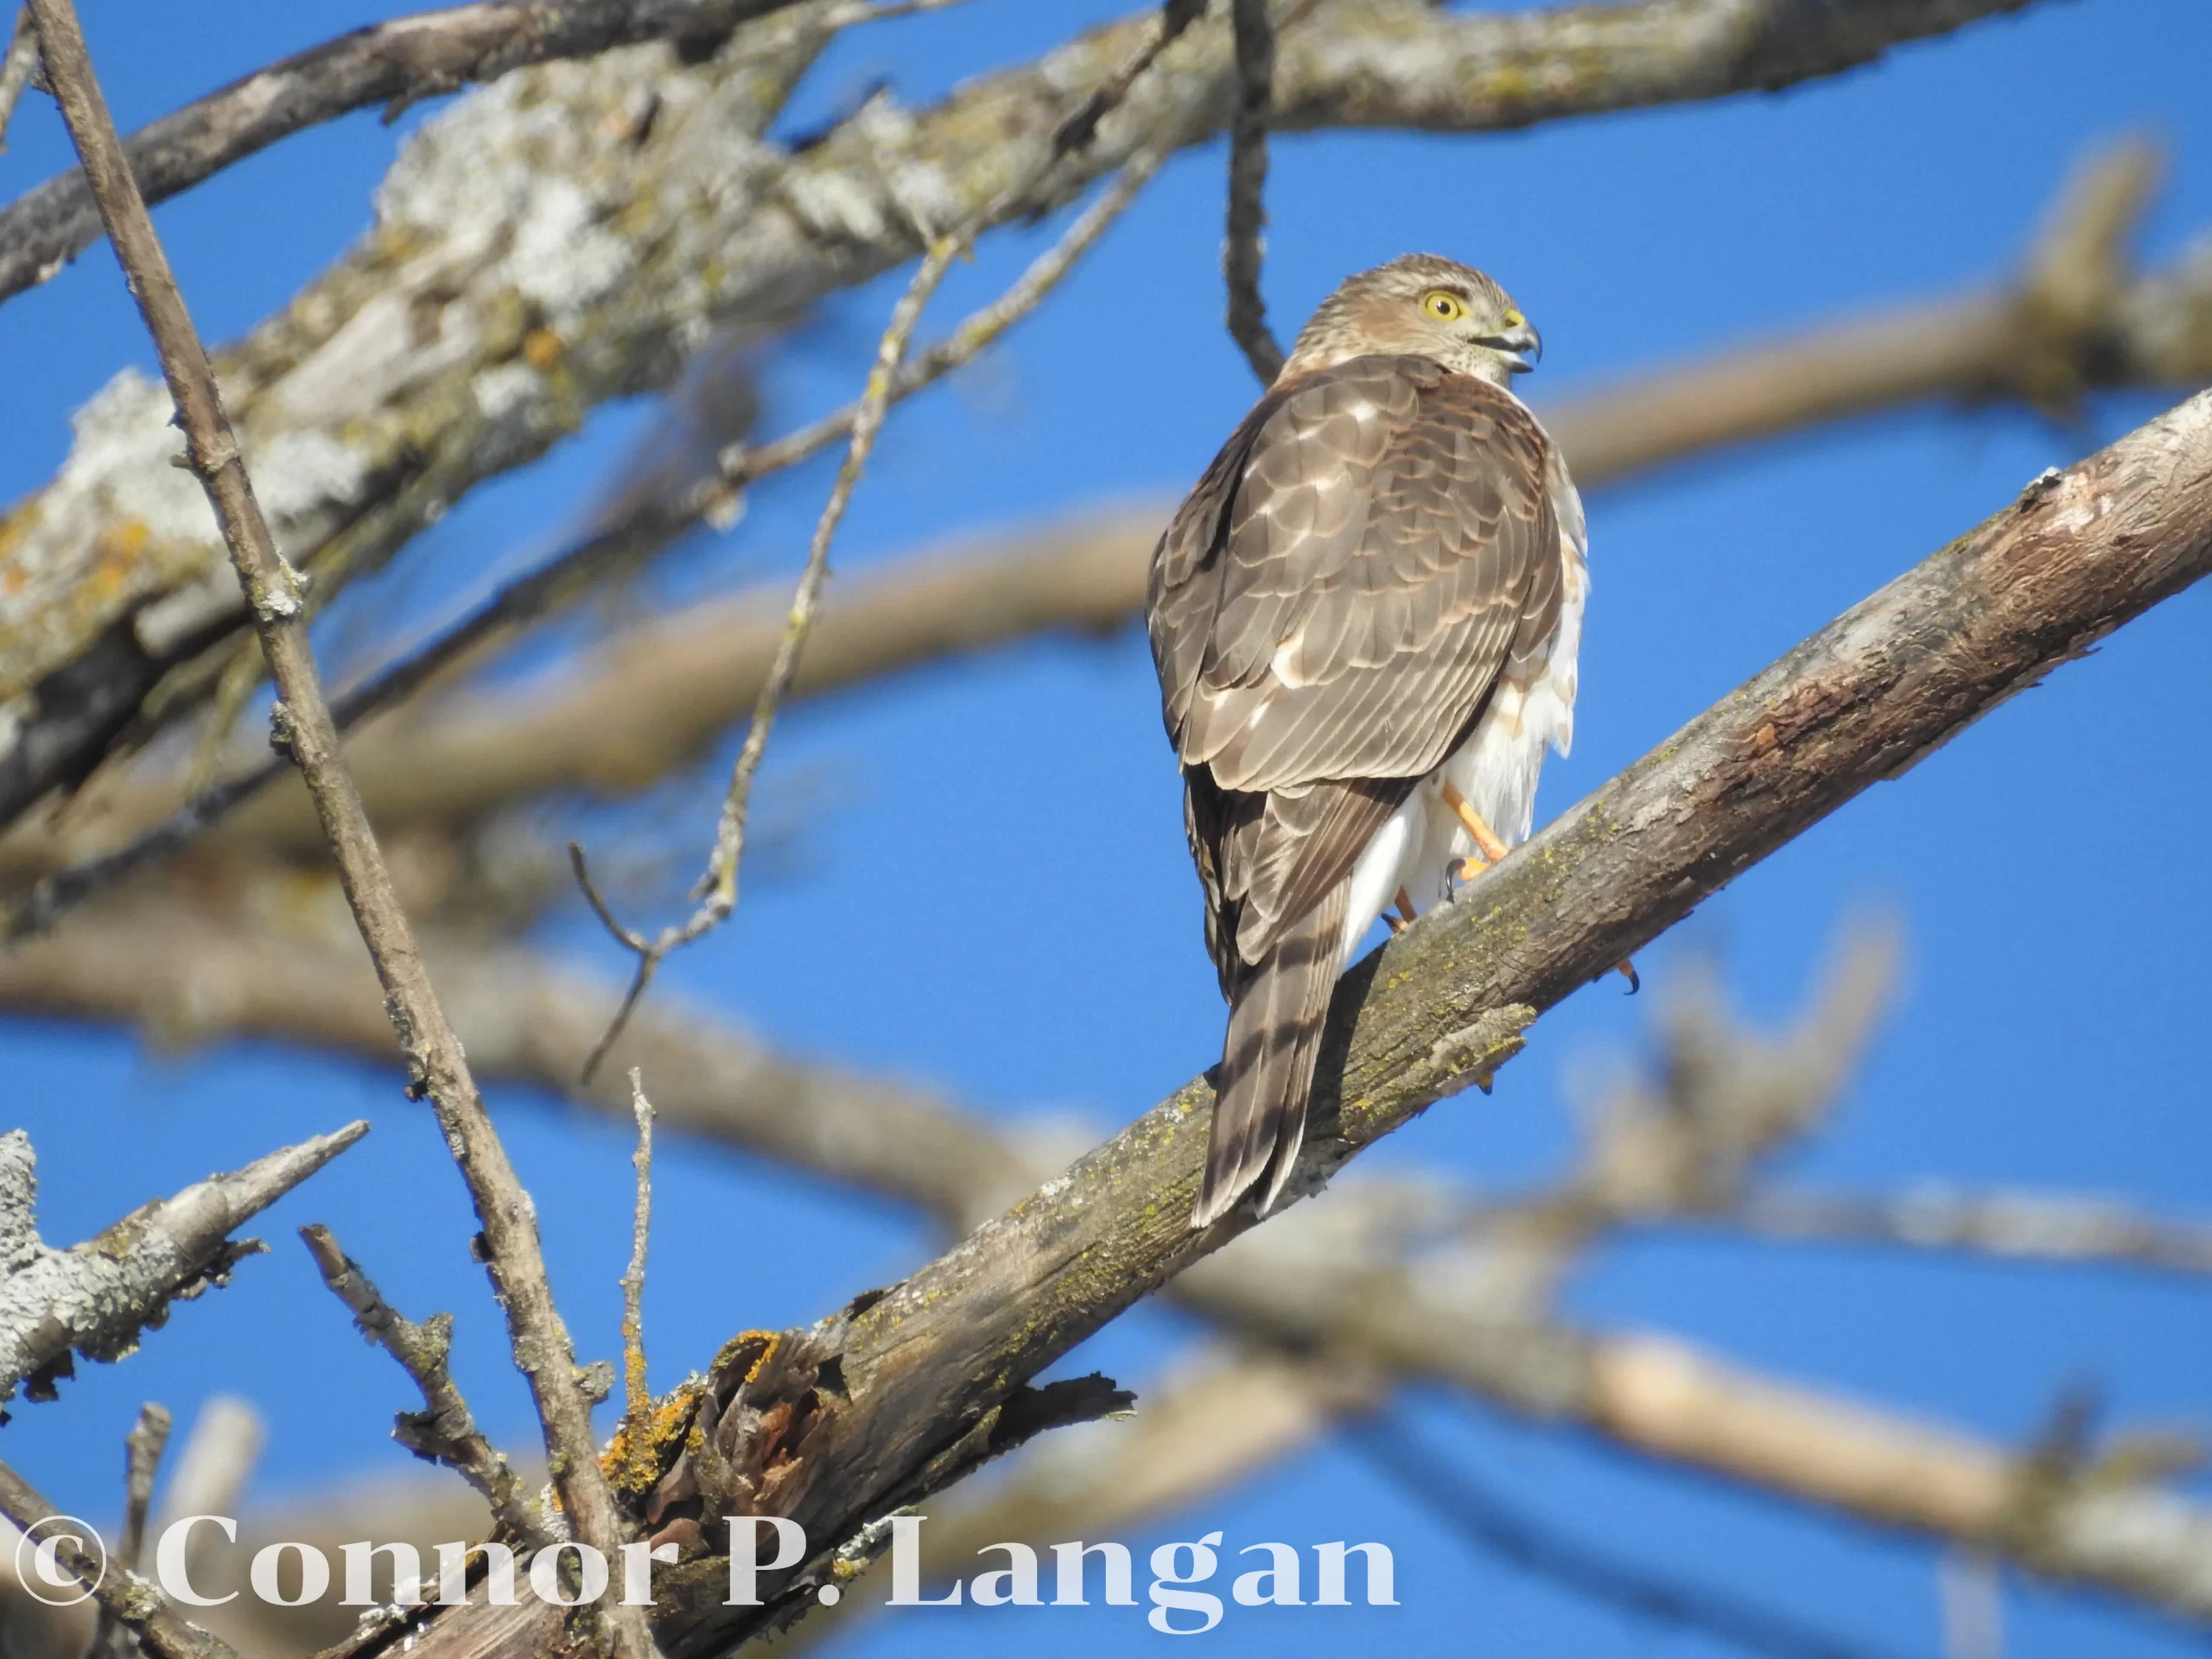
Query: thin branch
1076	132
132	1601
17	61
1481	1515
142	1460
303	724
1247	179
96	1298
144	1447
444	1430
717	888
636	1393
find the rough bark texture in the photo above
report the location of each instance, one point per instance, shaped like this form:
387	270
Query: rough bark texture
568	235
95	1298
866	1410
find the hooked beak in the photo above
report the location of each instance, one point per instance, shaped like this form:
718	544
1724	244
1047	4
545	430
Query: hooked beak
1520	345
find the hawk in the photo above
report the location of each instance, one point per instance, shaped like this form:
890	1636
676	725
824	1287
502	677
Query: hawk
1365	617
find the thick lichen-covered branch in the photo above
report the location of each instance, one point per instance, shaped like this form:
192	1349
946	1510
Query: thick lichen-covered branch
569	233
96	1298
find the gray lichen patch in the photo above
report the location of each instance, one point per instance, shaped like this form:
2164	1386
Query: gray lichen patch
538	248
97	1298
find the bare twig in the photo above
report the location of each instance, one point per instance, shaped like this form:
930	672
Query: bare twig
717	888
1247	178
1488	1519
143	1447
17	60
444	1430
1076	132
741	466
303	724
134	1603
637	1394
96	1298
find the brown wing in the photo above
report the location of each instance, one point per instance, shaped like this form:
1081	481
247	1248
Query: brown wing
1328	610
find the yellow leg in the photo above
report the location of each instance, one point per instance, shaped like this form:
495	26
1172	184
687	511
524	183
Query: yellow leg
1485	837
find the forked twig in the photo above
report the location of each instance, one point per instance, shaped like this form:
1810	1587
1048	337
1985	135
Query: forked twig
716	893
444	1430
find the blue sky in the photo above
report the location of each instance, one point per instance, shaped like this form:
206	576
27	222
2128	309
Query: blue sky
991	893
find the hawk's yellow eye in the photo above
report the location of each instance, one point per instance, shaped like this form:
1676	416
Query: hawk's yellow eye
1444	305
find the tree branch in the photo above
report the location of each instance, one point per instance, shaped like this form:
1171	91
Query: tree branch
444	1430
96	1297
302	724
395	64
134	1603
18	59
1247	179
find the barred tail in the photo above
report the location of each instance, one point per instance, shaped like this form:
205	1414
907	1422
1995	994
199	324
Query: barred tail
1267	1062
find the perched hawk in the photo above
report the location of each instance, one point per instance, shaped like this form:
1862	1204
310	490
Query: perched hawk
1365	619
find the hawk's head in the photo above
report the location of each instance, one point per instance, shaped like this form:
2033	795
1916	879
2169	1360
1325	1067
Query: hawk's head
1420	305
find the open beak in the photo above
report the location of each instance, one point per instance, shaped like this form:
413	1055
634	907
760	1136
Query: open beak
1520	345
